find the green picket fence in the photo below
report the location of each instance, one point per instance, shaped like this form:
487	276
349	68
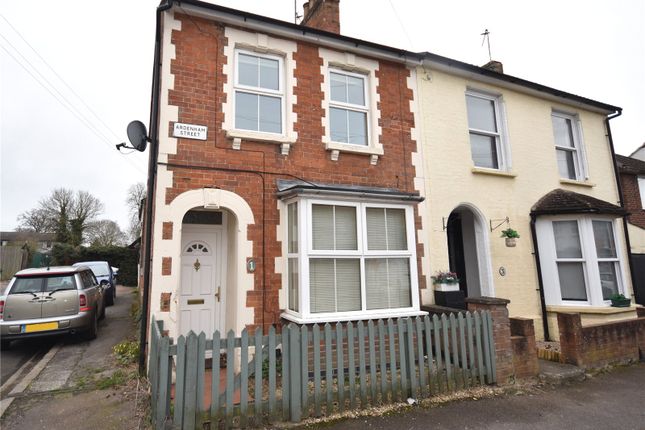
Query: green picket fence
303	371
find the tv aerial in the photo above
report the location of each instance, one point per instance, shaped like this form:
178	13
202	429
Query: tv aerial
137	135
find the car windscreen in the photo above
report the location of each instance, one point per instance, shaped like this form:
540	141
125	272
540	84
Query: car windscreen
99	269
27	285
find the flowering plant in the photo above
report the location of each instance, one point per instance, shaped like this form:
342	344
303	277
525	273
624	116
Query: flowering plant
445	278
510	233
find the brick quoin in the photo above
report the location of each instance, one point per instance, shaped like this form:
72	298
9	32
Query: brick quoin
166	264
199	93
166	231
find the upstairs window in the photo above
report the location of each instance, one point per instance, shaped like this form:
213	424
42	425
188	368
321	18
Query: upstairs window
348	108
567	146
259	94
485	130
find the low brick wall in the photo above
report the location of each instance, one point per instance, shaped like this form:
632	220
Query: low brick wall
525	359
601	344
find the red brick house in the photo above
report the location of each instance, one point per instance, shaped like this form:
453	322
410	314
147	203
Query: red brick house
632	182
287	173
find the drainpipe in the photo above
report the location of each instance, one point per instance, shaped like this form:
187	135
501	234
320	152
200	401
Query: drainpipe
152	173
628	244
536	252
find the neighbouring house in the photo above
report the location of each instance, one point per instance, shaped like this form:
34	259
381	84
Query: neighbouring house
639	154
301	175
287	172
17	247
632	179
42	242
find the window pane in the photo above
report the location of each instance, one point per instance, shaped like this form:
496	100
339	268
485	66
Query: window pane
270	114
566	165
484	150
293	284
603	234
248	70
608	279
572	281
348	285
345	226
376	234
387	283
357	127
269	74
338	85
60	283
396	233
292	240
567	239
322	226
481	114
338	125
563	131
355	90
322	292
23	285
246	111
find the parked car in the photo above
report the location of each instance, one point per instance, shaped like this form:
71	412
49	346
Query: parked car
103	272
51	301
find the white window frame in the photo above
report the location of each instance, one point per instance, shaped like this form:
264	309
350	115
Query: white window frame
365	108
579	164
641	188
501	137
259	90
548	260
306	251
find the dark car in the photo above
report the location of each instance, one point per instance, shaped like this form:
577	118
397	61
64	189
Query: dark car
51	301
103	272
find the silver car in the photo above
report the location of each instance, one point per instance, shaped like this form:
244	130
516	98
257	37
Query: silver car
51	301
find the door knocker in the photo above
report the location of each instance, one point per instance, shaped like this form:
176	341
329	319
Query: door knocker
197	265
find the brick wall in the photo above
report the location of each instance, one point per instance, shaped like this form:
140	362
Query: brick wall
199	91
633	204
525	359
601	344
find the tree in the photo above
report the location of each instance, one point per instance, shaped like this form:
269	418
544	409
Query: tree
134	201
64	212
105	232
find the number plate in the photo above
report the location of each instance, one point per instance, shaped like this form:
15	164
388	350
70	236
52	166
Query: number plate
30	328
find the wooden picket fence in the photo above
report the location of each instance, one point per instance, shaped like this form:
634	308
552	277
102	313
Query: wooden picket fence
302	371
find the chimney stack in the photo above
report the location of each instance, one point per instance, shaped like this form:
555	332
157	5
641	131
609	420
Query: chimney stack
495	66
322	14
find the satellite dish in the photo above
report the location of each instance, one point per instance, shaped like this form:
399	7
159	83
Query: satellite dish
138	135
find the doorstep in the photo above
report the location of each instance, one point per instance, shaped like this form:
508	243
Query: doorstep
559	373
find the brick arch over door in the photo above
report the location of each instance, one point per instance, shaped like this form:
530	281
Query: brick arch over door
238	207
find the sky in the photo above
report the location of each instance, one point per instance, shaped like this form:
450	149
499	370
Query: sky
93	60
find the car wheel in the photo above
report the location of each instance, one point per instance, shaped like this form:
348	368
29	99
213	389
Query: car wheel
93	329
109	298
6	344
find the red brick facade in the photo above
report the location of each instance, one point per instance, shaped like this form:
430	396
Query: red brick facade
252	172
632	197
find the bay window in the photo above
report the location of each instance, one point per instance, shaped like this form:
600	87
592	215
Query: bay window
350	260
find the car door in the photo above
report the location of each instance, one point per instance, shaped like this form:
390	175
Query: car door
60	296
24	300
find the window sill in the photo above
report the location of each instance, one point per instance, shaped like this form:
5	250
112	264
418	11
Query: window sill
578	183
238	135
493	172
341	318
336	148
586	309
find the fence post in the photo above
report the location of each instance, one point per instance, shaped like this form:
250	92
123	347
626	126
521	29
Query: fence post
295	396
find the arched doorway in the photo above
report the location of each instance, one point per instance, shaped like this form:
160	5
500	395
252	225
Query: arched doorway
468	251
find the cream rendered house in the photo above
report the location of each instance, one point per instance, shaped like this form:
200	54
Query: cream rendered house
500	152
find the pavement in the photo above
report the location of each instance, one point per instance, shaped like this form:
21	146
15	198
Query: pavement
59	389
612	400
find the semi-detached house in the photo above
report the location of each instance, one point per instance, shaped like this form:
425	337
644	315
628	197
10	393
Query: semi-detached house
326	177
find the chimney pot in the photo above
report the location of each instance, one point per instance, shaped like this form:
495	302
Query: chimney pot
495	66
322	14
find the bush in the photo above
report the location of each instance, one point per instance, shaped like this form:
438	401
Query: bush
126	352
126	259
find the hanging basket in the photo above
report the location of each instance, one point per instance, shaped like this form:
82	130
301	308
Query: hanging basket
511	242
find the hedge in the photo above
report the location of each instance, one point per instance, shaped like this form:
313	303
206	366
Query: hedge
125	259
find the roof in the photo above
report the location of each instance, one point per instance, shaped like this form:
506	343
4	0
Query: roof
247	19
25	235
561	201
53	270
630	166
290	188
638	149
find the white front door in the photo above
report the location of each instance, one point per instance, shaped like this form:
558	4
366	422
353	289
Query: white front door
201	293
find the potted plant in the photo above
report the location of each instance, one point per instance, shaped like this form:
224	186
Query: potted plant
511	237
446	281
620	301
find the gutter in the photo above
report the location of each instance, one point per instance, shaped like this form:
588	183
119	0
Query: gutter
628	245
536	252
152	174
